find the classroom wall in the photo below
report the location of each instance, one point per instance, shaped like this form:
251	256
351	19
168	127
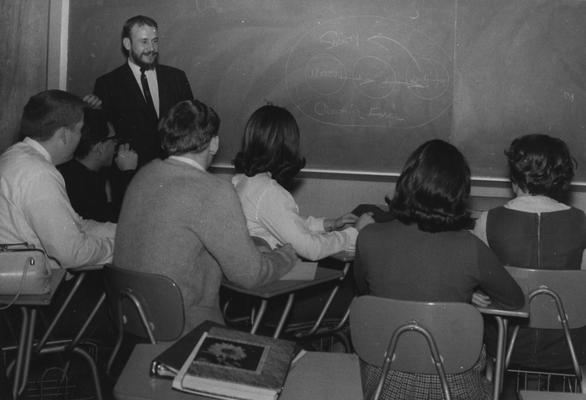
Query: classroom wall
29	66
23	64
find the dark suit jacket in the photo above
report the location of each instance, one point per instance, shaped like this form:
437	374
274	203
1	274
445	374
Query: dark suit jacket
134	122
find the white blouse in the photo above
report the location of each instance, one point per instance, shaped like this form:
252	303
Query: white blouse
273	215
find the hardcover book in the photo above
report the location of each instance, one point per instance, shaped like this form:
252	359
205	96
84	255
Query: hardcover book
168	363
229	364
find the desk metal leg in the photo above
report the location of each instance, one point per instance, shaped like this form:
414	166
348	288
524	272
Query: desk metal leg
284	315
259	315
500	356
20	352
262	309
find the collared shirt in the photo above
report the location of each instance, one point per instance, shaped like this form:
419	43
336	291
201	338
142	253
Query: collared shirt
151	75
34	208
189	161
273	215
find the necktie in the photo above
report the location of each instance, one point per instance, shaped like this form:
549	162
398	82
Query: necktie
147	91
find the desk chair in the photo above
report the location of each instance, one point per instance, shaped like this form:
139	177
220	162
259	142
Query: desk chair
450	332
557	299
147	305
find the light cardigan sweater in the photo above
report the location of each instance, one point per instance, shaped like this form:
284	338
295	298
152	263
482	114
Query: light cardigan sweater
273	215
185	223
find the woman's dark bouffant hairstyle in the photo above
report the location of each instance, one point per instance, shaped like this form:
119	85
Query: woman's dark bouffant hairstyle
541	165
188	126
270	144
433	189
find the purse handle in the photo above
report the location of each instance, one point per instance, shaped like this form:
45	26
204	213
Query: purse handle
17	247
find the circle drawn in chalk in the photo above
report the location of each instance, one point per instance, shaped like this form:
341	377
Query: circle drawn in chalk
430	81
325	74
369	71
375	77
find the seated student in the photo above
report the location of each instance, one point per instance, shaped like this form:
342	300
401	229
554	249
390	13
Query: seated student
34	206
181	221
427	254
536	230
86	175
265	167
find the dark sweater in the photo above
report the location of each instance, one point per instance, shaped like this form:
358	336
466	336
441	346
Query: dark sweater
400	261
549	240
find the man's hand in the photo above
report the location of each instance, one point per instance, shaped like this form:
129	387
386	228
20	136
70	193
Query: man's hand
92	101
126	158
480	299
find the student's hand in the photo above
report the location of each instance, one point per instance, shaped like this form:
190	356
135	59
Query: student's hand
126	158
365	219
333	224
93	101
480	299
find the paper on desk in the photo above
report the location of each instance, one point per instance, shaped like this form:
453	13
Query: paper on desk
302	271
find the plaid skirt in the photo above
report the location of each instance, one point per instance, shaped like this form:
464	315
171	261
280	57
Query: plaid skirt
469	385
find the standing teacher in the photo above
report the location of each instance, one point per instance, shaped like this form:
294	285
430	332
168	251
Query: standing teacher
137	93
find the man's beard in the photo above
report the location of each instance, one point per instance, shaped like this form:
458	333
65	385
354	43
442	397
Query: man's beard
146	65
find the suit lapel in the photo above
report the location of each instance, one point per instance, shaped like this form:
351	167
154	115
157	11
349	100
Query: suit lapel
135	91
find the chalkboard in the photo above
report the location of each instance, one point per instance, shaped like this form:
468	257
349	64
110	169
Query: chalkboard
367	80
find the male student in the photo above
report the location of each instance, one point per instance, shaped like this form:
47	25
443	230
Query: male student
34	206
137	93
179	220
92	194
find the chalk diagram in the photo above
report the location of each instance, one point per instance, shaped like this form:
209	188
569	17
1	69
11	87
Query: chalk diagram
369	71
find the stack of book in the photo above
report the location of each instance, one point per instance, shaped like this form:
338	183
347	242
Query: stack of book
229	364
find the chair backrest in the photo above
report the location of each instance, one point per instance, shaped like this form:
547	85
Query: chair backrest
132	295
569	285
457	329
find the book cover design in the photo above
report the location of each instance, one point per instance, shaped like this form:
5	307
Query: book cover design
225	360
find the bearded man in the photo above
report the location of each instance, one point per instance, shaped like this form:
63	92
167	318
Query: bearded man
137	93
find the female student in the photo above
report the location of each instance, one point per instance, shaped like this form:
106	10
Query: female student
265	167
536	230
427	254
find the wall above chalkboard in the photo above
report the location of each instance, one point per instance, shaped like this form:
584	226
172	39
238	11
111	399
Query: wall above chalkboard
367	80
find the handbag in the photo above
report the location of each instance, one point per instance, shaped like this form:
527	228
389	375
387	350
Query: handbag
24	269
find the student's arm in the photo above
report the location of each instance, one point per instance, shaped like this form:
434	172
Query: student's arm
60	230
279	214
226	237
495	280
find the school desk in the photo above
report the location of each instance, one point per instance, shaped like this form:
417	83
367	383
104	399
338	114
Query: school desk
28	305
502	317
533	395
317	375
277	288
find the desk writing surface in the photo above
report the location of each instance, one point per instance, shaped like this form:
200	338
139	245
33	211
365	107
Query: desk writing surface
281	287
522	312
57	276
534	395
323	376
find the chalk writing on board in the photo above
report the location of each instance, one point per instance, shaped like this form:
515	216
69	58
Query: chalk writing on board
369	71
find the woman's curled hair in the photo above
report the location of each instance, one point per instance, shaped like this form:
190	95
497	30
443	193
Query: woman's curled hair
433	189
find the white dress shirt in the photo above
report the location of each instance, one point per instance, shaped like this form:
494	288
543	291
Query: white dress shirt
151	75
34	208
273	215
